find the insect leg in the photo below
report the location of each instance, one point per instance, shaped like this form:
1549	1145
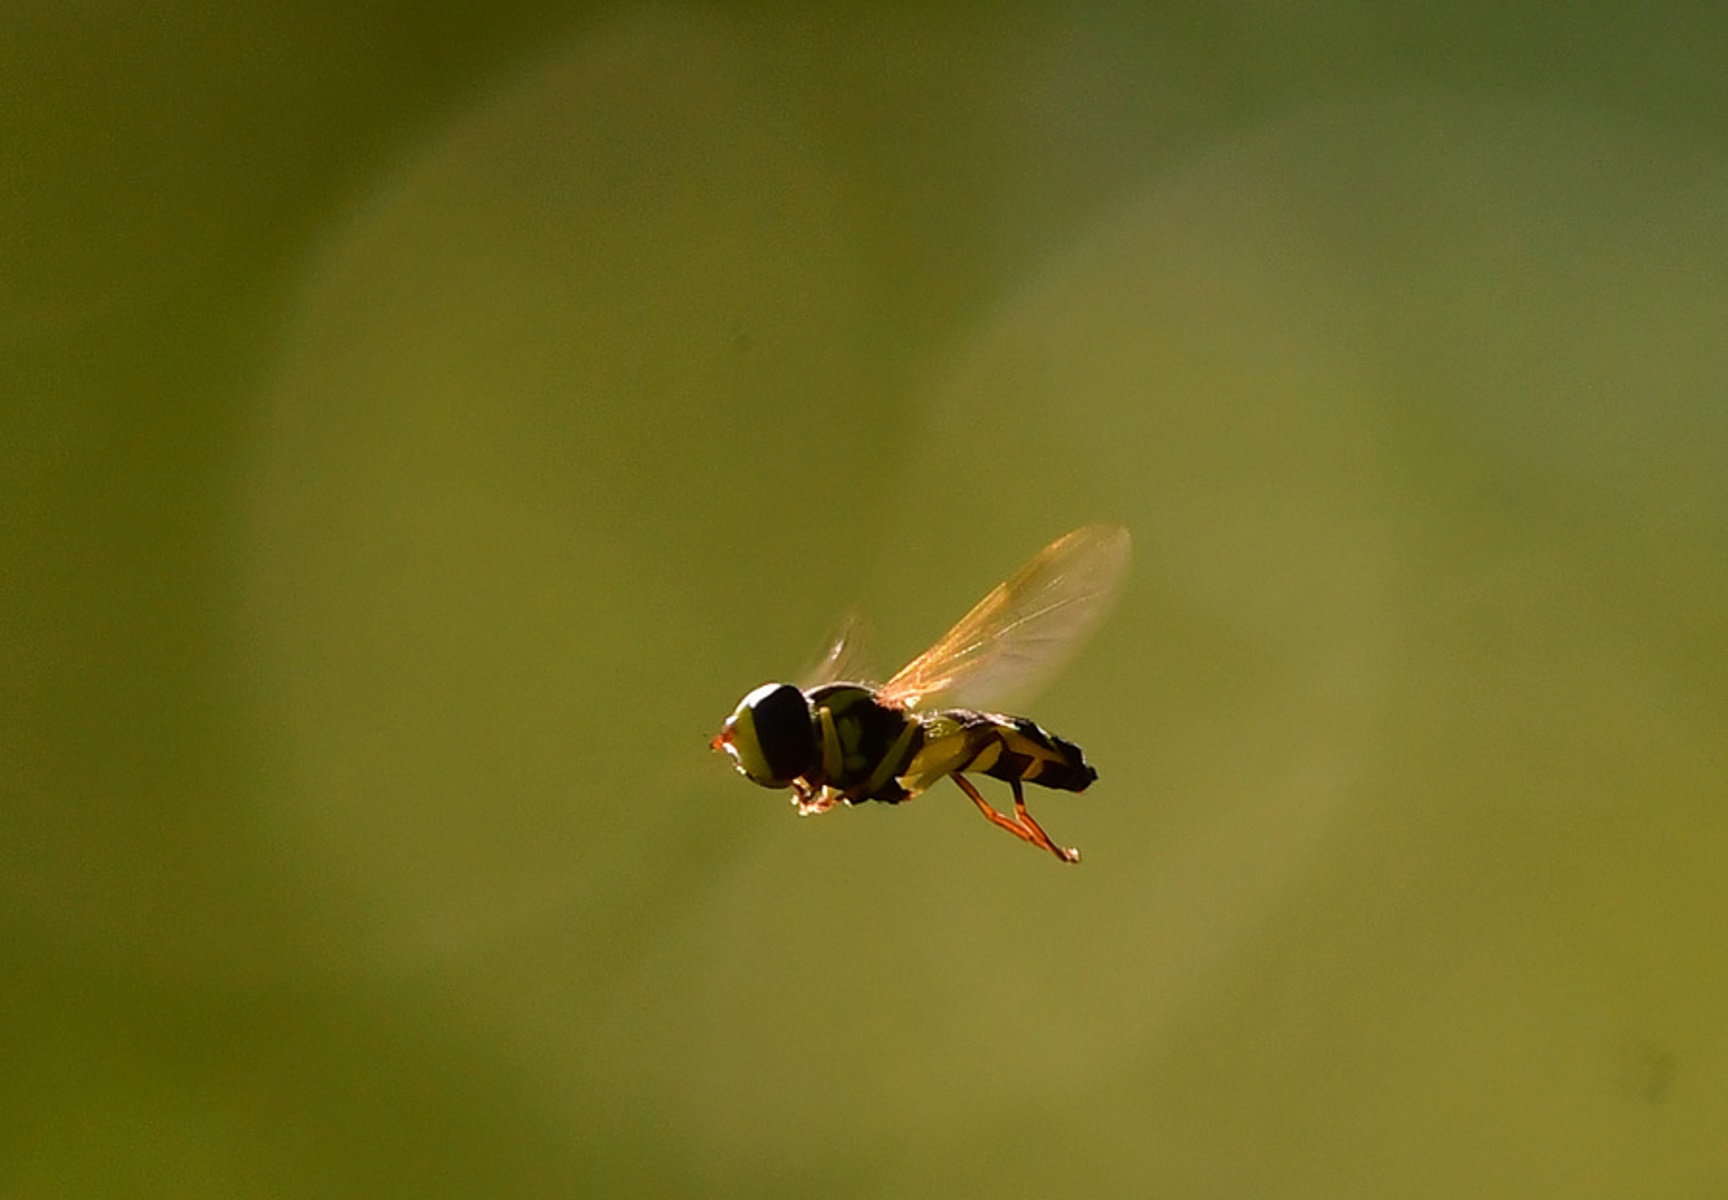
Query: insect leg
1026	829
991	814
1066	854
811	799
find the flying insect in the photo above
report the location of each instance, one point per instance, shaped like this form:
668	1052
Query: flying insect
839	740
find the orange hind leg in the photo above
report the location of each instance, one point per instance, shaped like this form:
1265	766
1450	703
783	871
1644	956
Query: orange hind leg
1021	824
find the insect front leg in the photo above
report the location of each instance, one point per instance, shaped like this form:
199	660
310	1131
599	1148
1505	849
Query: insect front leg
812	800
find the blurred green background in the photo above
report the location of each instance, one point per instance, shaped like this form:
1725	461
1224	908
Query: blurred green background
420	427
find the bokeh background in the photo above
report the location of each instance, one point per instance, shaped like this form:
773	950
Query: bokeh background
423	422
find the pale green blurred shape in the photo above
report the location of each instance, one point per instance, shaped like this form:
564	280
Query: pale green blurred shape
422	430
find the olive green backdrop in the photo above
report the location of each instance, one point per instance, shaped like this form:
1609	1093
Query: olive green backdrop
420	428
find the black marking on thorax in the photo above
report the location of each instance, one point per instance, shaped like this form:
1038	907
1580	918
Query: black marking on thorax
869	733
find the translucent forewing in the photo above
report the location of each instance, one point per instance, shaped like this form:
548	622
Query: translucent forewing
1016	639
848	655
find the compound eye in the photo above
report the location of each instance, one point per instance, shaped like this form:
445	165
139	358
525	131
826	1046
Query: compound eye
772	735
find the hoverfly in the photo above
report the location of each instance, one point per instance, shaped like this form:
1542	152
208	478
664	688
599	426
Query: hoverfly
839	740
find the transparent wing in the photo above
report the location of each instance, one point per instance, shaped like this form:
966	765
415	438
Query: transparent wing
848	654
1017	638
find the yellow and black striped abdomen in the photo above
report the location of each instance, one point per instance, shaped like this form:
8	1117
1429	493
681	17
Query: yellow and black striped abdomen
960	740
1033	754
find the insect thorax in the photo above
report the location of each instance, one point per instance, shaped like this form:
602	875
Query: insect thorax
871	744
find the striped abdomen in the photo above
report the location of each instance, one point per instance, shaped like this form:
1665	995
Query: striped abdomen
961	740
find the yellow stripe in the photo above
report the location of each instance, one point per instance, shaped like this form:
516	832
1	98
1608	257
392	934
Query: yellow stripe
831	761
885	769
986	758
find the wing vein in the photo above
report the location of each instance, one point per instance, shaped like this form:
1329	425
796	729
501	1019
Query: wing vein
1026	629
